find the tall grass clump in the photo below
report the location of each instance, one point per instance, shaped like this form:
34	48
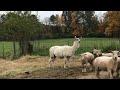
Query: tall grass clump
112	46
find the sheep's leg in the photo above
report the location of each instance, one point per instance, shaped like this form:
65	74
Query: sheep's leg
117	71
82	67
97	73
91	67
110	74
85	66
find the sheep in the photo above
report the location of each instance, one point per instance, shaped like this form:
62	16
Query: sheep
97	52
105	63
118	68
107	54
63	52
86	58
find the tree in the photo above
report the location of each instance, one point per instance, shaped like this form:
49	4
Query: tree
46	21
80	22
52	19
113	28
21	26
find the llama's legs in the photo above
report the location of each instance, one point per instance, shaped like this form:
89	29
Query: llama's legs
65	62
51	60
68	62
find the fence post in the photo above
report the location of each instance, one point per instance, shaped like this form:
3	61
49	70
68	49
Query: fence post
3	50
14	50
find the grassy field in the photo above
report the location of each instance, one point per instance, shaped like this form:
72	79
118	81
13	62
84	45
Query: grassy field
41	47
87	44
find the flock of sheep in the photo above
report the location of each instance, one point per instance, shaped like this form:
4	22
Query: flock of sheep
98	61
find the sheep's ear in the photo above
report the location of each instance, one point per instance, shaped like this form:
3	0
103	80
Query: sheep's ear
94	49
80	37
119	52
110	51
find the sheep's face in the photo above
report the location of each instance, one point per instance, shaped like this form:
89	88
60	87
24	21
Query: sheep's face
83	56
115	54
97	52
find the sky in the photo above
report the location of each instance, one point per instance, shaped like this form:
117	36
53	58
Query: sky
43	14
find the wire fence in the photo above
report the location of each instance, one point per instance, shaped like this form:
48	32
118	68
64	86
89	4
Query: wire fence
41	47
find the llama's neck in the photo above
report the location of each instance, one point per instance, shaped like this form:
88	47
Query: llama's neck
75	46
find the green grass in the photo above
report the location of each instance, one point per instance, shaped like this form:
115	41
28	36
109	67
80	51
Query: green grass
41	47
86	45
8	49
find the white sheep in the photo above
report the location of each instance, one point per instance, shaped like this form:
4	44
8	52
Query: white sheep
97	52
85	59
63	52
118	68
105	63
107	54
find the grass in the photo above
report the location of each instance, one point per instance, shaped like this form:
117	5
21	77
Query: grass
41	47
87	44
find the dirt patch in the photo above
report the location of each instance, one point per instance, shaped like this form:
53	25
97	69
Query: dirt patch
36	67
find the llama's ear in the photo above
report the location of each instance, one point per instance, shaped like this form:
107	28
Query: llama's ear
75	37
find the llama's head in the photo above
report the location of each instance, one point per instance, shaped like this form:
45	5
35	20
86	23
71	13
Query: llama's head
77	42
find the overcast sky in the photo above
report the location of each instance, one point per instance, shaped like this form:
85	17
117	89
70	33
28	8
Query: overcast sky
44	14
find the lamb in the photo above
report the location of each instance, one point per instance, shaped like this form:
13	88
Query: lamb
105	63
86	58
63	52
97	52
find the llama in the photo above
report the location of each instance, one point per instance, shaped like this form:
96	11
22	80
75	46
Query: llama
63	52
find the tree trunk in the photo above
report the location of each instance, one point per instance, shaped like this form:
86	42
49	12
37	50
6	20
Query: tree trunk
25	47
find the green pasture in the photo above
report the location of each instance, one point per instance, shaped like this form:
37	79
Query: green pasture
41	47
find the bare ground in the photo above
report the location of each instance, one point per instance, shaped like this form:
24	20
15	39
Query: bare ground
36	67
